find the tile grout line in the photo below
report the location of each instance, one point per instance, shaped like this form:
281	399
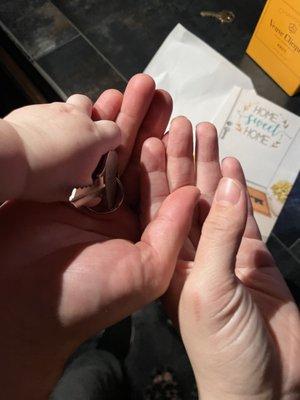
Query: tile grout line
51	82
32	57
19	45
101	54
92	45
296	243
50	50
287	249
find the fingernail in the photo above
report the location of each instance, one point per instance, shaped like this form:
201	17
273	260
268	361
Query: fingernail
228	191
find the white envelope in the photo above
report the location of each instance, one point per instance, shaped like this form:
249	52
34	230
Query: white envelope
198	78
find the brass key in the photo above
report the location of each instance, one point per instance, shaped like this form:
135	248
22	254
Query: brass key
224	16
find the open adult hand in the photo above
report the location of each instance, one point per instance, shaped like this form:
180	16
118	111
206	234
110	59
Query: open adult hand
65	274
238	320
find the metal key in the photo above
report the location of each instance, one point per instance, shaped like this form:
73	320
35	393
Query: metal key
106	193
224	16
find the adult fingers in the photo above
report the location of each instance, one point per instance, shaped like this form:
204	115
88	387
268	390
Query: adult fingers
207	159
154	125
153	179
164	236
207	165
136	101
82	103
181	171
154	190
155	122
108	105
165	139
180	162
231	168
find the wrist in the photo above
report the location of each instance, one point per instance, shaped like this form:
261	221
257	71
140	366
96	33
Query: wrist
13	162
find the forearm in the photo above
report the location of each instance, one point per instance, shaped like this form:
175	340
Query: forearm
13	162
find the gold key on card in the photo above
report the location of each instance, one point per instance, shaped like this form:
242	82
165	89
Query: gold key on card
224	16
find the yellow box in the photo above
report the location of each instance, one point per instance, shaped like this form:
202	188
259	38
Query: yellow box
275	44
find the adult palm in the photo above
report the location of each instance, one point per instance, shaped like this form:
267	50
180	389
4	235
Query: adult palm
66	274
238	320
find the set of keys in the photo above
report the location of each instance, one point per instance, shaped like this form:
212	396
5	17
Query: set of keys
106	194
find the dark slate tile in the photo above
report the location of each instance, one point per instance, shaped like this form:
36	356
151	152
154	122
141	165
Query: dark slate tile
231	39
128	33
77	68
288	265
37	26
295	290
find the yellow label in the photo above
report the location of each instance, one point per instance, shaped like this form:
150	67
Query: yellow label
275	44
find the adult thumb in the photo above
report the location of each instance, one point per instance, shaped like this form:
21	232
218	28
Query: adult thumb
211	283
222	232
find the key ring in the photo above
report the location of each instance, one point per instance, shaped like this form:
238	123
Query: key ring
106	194
102	208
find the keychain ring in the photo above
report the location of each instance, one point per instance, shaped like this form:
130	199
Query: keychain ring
106	186
119	202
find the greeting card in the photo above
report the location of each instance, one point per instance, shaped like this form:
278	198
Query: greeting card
265	138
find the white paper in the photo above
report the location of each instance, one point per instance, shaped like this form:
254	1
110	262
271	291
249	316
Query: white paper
198	78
